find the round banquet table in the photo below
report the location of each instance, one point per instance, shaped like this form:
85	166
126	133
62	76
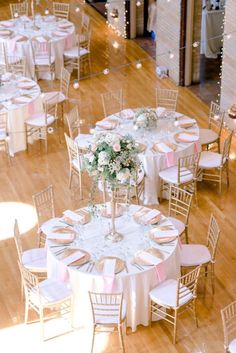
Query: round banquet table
19	97
17	33
133	281
153	162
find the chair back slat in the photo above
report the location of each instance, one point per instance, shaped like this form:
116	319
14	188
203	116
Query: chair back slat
16	64
228	315
187	286
112	102
73	152
167	98
187	167
65	82
216	118
44	204
17	238
213	237
180	202
19	9
106	305
73	122
226	148
85	22
61	10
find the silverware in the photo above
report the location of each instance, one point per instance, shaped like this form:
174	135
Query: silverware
59	246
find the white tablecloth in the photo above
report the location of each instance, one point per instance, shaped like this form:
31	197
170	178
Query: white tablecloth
135	284
212	21
46	29
153	162
19	112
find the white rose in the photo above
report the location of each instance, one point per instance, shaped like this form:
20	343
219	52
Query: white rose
103	158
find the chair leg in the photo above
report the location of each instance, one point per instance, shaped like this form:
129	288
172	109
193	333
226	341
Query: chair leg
26	309
186	234
213	278
161	189
220	182
70	177
121	338
80	187
195	313
92	344
227	173
175	327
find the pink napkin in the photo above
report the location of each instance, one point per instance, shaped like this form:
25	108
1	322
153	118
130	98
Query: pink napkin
158	263
68	41
170	159
109	274
197	146
60	34
161	272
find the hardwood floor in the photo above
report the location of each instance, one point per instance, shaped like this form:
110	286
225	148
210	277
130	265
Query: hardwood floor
31	172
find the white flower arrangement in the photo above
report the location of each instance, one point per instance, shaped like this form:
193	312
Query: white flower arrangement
145	118
112	157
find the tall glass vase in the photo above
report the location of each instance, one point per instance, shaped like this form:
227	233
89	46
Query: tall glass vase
113	235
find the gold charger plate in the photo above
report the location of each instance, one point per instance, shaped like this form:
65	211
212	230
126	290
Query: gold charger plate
86	217
141	146
179	139
155	252
62	231
5	32
118	213
82	261
120	264
143	210
164	239
156	148
185	125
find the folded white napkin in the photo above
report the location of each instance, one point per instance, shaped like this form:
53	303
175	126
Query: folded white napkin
22	99
186	120
75	217
164	148
150	215
64	25
60	34
59	236
5	32
149	258
26	84
77	255
188	137
41	39
109	267
127	113
105	124
157	232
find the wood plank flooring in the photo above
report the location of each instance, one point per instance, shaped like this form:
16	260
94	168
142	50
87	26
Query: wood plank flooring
31	172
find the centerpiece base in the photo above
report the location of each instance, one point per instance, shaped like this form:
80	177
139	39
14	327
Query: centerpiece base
114	236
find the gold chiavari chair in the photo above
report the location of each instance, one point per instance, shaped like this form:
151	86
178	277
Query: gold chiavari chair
109	311
112	102
73	122
212	134
183	175
84	44
212	165
4	137
48	298
36	126
228	315
85	22
171	297
43	59
35	259
61	10
45	208
19	9
192	255
180	202
75	161
16	64
61	96
167	98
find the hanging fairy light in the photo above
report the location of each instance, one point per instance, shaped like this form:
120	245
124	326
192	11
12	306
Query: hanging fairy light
50	130
138	65
106	71
77	9
46	12
76	84
16	15
196	44
115	45
138	3
171	55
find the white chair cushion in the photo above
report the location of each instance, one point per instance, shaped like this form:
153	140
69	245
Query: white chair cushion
51	291
165	294
53	97
44	60
207	136
75	52
35	259
170	175
194	255
210	160
232	346
179	225
39	120
99	319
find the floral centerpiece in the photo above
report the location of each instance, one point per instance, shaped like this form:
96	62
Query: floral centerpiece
145	118
113	158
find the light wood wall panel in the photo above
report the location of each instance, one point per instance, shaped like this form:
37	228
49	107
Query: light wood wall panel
228	82
168	36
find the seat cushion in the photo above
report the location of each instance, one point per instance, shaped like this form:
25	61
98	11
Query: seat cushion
232	346
44	60
194	255
51	291
53	97
170	175
75	52
99	319
207	136
210	160
3	134
35	259
179	225
39	120
165	294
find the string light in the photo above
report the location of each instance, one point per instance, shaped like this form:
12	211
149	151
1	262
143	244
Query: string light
106	71
16	14
138	65
138	3
46	12
115	45
171	55
196	44
77	9
50	130
76	84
